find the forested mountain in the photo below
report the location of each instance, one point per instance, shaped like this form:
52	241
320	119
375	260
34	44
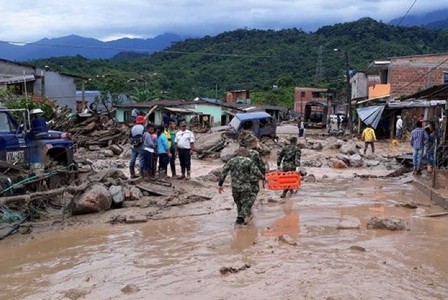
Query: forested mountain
433	19
73	45
255	60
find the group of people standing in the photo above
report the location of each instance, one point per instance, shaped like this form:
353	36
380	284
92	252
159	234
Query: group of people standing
160	144
423	142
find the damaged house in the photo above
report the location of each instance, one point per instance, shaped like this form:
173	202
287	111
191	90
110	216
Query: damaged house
391	88
26	80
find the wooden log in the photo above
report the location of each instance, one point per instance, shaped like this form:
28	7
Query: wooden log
40	195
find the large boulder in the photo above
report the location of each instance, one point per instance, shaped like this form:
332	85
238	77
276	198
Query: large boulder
333	143
95	199
349	148
229	152
388	223
338	164
344	158
209	142
356	161
117	193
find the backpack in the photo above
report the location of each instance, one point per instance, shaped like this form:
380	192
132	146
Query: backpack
137	140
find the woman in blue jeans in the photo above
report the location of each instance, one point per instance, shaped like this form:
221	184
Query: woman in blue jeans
163	151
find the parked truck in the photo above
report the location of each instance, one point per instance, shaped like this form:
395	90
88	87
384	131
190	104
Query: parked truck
27	149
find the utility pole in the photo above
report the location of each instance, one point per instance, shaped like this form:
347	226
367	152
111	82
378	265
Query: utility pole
318	75
348	91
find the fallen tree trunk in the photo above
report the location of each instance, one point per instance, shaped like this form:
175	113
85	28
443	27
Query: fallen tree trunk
40	195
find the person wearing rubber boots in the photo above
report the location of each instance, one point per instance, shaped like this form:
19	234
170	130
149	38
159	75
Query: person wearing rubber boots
290	157
242	171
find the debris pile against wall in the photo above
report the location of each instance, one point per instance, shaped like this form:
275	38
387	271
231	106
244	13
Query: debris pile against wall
94	132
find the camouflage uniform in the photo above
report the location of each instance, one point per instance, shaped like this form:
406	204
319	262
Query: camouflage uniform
243	171
290	155
256	158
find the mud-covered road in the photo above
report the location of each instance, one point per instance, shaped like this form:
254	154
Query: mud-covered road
180	255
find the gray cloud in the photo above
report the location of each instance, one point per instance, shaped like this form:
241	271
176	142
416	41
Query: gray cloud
23	20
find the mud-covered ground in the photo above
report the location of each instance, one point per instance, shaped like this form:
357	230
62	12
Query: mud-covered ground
292	249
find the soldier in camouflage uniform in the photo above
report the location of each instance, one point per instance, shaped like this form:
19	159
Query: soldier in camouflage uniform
290	155
258	161
243	172
247	139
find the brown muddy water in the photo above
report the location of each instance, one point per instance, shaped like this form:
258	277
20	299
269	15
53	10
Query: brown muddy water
181	257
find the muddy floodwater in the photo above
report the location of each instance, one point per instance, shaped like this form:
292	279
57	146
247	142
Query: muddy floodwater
180	255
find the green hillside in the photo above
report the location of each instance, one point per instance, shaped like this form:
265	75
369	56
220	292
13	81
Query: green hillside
254	60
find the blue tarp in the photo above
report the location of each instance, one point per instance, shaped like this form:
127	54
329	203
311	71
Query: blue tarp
370	115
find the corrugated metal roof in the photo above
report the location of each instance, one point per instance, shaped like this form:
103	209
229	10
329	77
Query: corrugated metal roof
17	79
253	115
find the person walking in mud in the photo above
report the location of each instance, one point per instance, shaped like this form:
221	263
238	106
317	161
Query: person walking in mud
301	127
290	156
419	138
247	139
242	171
369	138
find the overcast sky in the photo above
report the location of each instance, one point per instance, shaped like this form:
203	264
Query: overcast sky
27	21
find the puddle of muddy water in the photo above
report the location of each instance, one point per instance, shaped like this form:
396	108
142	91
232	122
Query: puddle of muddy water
180	258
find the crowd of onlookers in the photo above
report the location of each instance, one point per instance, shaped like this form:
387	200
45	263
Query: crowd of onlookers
157	147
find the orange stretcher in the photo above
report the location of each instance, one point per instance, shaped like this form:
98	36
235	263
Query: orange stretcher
277	180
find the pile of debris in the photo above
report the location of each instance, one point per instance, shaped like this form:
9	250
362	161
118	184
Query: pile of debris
218	145
94	131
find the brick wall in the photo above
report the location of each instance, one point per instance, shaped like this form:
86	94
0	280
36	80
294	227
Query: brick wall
408	75
303	96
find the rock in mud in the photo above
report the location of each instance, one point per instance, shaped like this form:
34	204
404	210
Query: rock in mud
117	150
208	142
74	294
135	193
107	153
227	270
356	160
136	219
388	223
95	199
372	163
358	248
229	152
349	223
338	164
310	178
345	158
312	163
117	194
407	205
286	239
94	148
349	148
130	289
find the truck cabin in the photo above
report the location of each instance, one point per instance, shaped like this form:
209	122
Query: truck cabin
316	114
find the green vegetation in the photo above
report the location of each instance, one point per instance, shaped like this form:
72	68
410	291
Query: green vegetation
268	63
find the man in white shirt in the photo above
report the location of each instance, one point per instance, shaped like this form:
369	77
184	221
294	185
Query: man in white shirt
184	145
399	128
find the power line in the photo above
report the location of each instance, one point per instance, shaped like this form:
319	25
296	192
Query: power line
402	18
